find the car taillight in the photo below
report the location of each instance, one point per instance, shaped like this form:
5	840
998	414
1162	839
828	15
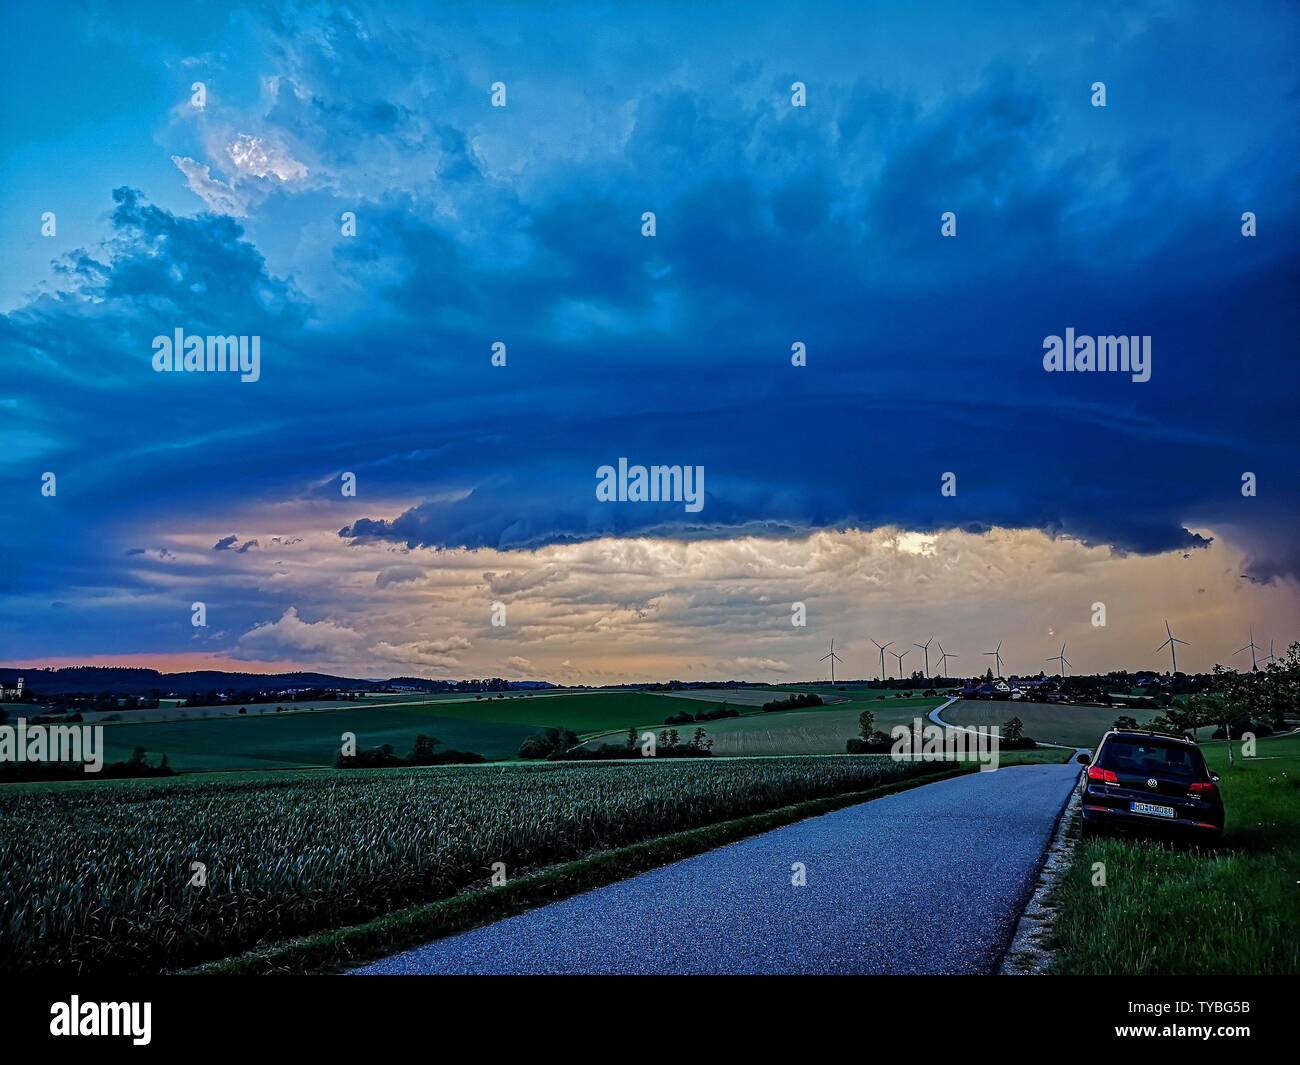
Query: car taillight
1203	789
1106	776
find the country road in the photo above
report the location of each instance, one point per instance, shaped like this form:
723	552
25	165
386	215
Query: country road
930	880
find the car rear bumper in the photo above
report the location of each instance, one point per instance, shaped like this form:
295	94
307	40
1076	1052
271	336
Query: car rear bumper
1121	819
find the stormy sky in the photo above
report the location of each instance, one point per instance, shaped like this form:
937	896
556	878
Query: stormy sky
522	225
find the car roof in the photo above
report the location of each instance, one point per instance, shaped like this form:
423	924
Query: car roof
1146	733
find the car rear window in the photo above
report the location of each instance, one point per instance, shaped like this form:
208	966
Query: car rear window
1125	754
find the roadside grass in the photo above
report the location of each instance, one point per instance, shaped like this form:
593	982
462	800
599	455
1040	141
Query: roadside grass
1167	910
1041	756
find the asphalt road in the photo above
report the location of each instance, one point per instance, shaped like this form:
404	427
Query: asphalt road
930	880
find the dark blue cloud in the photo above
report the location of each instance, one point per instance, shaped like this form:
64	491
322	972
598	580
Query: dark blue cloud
775	225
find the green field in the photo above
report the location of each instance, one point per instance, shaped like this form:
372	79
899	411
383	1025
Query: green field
493	728
98	876
820	730
283	741
584	714
1075	726
1166	910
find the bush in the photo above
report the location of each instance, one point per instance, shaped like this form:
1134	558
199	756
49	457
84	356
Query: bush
136	766
552	742
679	719
422	753
793	702
535	747
877	743
712	715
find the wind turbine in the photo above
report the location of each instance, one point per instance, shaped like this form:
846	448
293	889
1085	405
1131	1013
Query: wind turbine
1252	647
1271	656
943	657
997	656
882	647
1173	651
900	660
1061	658
834	658
926	648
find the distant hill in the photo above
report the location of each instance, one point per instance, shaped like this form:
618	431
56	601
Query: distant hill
127	680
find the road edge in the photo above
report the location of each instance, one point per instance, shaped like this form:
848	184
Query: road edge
1028	954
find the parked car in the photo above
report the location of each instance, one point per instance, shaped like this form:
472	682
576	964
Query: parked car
1140	781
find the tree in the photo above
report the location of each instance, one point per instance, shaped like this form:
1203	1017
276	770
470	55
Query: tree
631	737
866	724
1013	730
422	749
1126	722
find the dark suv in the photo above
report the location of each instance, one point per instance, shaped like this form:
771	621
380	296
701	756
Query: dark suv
1146	782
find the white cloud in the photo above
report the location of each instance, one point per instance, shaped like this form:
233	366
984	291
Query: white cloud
761	665
291	637
219	197
437	654
259	157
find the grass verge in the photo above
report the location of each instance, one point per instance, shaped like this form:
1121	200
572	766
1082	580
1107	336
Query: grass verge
343	948
1166	910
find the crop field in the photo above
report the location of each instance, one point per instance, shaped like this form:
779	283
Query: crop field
808	731
822	730
1076	726
98	877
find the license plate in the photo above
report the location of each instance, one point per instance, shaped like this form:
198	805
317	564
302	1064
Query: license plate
1150	809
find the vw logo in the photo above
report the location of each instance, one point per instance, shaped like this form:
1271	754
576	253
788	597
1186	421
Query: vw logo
1151	782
